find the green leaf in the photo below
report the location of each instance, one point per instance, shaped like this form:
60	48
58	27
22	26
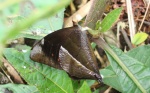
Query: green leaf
18	88
77	84
111	78
133	76
45	78
109	20
84	88
93	45
106	23
139	38
98	23
141	53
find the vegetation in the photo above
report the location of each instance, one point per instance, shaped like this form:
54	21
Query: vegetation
128	71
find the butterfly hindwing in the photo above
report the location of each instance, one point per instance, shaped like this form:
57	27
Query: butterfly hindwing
74	68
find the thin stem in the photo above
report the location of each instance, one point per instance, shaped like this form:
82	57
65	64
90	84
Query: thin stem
126	38
1	67
130	19
144	15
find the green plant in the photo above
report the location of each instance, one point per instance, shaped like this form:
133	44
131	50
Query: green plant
128	72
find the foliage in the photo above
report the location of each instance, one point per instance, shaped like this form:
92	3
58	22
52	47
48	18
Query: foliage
18	88
139	38
128	72
125	73
35	16
84	88
137	75
109	20
45	78
106	23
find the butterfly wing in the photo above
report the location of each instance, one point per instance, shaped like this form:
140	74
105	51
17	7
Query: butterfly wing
74	68
68	49
47	49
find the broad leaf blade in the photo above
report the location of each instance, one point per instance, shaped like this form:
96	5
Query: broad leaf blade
110	19
84	88
14	88
77	84
141	53
110	78
140	72
45	78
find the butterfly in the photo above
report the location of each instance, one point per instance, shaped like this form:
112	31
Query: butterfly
68	49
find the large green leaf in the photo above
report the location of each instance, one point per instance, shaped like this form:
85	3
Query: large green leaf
18	88
135	80
77	84
141	53
45	78
111	78
84	88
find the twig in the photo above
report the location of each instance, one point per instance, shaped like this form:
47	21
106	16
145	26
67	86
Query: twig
100	59
83	2
130	19
82	12
126	38
144	2
145	22
72	7
120	27
11	72
5	72
144	16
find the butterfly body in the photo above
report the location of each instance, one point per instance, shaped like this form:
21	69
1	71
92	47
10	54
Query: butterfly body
68	49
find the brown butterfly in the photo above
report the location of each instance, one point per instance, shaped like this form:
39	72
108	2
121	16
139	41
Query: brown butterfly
68	49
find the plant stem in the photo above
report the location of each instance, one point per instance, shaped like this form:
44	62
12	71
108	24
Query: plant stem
96	11
130	19
101	43
126	38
